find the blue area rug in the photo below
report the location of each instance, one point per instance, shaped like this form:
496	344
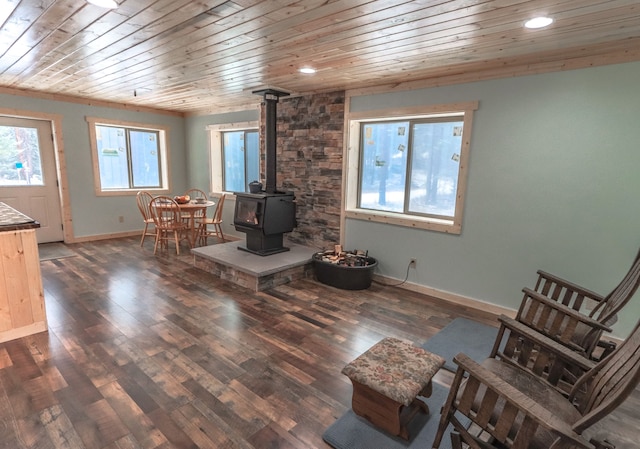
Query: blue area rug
353	432
462	335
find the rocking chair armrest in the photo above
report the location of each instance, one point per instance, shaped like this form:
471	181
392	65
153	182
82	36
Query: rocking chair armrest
570	286
547	343
560	308
526	405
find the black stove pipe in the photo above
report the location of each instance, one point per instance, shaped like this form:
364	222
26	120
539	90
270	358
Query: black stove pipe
270	97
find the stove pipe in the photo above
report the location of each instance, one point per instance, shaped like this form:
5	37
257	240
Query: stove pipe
270	97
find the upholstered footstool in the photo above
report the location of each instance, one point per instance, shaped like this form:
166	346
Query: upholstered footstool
387	379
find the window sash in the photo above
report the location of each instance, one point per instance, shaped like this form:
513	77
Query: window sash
138	154
124	157
401	144
239	171
463	111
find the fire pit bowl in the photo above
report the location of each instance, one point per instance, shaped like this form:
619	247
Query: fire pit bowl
353	272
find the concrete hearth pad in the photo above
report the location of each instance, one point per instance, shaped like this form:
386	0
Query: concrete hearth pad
258	273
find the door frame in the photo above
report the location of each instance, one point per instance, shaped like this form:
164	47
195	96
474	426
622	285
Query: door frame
61	167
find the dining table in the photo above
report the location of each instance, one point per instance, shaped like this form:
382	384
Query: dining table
192	207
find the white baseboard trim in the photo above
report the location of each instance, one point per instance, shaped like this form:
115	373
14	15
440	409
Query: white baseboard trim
466	301
451	297
115	235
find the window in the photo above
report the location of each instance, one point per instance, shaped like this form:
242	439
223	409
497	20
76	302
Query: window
240	159
20	156
234	156
410	169
128	157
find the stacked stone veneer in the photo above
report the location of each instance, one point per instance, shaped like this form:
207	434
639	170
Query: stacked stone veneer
310	131
254	282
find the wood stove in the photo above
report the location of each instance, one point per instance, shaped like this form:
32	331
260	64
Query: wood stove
266	216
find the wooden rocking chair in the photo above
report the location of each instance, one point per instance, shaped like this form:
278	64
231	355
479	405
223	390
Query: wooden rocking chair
557	309
515	409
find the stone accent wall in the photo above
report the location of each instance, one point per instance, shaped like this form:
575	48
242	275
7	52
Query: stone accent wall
310	132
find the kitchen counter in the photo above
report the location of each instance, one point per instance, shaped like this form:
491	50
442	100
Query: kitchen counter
22	309
13	220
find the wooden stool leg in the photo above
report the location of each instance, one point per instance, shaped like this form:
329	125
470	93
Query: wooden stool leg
383	412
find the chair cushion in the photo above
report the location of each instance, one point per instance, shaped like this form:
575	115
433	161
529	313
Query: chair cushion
540	392
394	368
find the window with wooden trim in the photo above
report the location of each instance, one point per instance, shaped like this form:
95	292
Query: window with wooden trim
409	167
240	159
128	157
234	156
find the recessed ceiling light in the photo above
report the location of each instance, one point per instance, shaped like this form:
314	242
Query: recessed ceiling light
308	70
111	4
538	22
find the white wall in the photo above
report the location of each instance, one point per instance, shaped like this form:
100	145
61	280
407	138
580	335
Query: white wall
553	184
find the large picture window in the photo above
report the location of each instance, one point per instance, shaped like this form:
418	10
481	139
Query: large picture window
410	170
128	157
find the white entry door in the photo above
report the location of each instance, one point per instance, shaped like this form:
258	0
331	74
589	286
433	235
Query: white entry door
28	180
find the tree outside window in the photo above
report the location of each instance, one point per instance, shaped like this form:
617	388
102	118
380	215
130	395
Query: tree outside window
19	156
410	166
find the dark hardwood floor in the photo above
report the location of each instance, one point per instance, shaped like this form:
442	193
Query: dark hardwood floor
146	351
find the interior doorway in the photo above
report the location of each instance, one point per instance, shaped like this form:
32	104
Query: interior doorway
28	175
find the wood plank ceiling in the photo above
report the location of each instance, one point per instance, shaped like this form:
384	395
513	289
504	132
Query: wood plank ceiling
205	56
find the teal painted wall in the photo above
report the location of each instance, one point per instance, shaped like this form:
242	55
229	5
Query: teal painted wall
93	215
199	163
552	181
198	143
552	184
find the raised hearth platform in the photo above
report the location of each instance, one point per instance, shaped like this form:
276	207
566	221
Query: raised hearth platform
255	272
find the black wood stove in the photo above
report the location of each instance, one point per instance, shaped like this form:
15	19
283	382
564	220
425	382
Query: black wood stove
266	216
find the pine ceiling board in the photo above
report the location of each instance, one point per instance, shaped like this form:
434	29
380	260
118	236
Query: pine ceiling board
38	30
8	6
87	25
200	59
233	56
117	37
38	56
139	55
20	20
333	14
195	54
48	53
181	47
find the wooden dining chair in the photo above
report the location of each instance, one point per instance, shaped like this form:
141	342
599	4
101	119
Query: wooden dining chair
204	232
168	222
199	214
512	408
144	199
195	194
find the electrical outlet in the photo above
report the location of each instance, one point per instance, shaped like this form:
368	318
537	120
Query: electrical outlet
121	219
413	263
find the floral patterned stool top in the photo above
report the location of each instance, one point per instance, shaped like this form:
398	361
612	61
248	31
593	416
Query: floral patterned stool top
395	368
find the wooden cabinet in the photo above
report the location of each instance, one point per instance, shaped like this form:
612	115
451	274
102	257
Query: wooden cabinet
22	309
